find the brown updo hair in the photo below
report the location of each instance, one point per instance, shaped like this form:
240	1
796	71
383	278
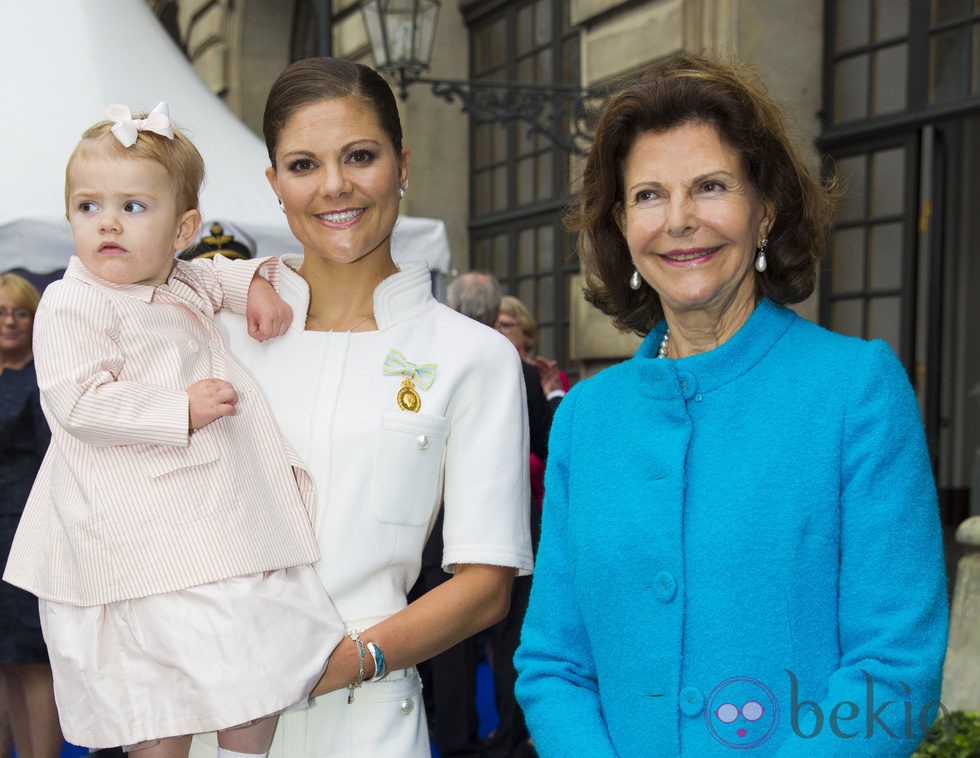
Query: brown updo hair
698	89
311	80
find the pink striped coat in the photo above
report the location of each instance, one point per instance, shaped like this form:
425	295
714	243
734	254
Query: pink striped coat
128	503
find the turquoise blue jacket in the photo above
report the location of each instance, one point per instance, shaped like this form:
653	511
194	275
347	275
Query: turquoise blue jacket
741	556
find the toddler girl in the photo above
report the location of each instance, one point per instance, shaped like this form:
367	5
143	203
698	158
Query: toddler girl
168	534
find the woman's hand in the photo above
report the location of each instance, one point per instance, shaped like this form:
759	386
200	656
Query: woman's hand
476	597
550	374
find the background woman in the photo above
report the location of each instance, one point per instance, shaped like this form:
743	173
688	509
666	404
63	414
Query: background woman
396	403
517	324
24	437
741	542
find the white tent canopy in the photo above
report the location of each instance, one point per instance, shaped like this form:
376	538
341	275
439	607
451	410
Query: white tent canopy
64	63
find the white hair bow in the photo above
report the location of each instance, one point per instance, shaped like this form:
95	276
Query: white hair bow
127	129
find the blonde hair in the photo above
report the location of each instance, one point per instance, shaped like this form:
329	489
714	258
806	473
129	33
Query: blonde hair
24	294
178	156
511	306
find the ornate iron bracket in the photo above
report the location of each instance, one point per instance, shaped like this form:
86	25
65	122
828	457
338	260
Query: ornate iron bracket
563	115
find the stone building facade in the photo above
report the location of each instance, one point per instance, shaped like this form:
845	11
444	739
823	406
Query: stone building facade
887	92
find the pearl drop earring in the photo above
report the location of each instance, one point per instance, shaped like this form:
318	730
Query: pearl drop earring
282	207
760	261
635	281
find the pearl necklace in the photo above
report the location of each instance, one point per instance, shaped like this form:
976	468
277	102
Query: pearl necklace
324	326
662	352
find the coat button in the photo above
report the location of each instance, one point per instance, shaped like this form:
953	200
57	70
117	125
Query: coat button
665	586
691	701
423	442
688	384
406	706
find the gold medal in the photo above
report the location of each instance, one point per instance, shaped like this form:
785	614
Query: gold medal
408	398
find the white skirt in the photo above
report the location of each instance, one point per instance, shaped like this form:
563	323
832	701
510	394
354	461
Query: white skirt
201	659
386	720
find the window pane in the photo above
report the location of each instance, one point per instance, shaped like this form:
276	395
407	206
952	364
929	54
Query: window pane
488	47
525	181
481	254
525	70
884	320
949	64
499	189
498	43
947	10
526	294
847	260
544	70
851	89
891	19
482	145
482	191
543	187
891	79
546	297
887	182
499	133
546	248
542	22
546	342
975	69
527	141
852	174
853	19
526	258
847	317
885	256
500	268
525	29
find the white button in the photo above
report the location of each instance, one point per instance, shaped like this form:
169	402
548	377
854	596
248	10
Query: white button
192	345
214	344
406	706
423	442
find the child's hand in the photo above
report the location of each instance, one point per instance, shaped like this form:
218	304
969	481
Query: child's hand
210	399
267	314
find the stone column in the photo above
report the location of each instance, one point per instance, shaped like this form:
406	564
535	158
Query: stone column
961	672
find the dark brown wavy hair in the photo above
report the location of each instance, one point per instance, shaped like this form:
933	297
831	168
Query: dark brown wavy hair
698	88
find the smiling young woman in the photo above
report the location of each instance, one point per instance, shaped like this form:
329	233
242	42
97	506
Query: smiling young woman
397	403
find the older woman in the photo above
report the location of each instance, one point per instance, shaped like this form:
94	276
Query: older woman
741	546
516	323
396	403
24	436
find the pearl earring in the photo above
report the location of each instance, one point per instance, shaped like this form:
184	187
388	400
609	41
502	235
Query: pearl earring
635	281
282	207
401	192
760	261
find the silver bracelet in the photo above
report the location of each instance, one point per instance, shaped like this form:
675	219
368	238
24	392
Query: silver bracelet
360	667
380	670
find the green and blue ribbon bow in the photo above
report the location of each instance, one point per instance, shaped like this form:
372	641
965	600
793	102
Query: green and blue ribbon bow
397	365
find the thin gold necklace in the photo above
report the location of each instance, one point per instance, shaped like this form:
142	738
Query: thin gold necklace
325	328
